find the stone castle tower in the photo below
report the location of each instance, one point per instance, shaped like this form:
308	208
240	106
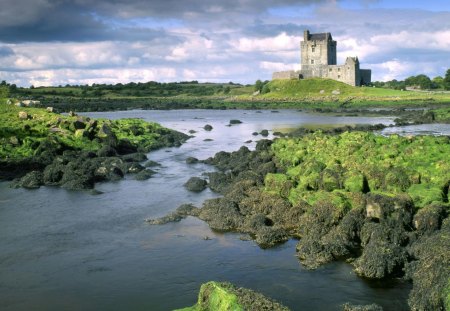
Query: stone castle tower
318	60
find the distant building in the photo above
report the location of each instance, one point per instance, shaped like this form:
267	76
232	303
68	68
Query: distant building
318	60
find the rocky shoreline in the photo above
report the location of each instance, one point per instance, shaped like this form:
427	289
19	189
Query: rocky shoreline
75	152
388	223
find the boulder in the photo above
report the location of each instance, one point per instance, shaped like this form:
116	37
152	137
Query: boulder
144	174
264	133
235	121
195	184
191	160
32	180
23	115
207	127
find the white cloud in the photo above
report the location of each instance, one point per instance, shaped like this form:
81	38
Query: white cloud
281	42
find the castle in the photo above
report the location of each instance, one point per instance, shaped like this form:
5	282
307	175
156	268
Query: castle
318	60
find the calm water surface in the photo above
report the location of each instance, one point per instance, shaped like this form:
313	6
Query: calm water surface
62	250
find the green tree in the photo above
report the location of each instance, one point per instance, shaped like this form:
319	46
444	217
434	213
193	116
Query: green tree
259	85
421	81
4	92
447	80
226	90
265	89
437	83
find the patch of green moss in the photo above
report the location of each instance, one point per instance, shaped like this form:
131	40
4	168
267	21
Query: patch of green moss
361	162
21	137
214	296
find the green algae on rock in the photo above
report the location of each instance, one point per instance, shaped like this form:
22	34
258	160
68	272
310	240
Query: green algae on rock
75	151
221	296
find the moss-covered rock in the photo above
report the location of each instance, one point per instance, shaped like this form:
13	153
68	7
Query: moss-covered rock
220	296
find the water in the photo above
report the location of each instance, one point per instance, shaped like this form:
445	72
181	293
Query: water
62	250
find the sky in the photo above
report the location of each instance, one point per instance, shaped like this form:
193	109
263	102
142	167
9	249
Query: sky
59	42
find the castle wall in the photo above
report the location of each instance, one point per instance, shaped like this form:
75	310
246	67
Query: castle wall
291	74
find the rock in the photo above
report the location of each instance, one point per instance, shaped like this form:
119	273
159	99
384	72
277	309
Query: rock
53	173
144	174
191	160
135	157
352	307
221	214
264	133
192	131
428	219
180	213
195	184
431	270
383	252
248	141
32	180
322	91
207	127
49	109
125	146
225	296
107	151
335	92
79	124
208	139
255	134
13	140
134	168
151	163
235	121
72	114
23	115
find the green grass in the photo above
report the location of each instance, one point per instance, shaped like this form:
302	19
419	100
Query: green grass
320	90
340	168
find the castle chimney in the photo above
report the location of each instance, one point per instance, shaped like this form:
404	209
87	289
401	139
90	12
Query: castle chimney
306	35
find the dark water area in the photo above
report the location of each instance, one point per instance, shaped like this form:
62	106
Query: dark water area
63	250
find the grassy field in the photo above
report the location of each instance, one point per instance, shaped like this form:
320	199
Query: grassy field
298	94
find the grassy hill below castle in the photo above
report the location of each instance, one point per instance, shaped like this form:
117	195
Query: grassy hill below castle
331	91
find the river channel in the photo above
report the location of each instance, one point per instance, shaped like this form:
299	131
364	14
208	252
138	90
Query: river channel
64	250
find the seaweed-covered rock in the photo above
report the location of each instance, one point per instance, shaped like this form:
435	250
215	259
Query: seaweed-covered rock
191	160
221	214
195	184
208	127
225	296
383	254
134	157
235	121
144	174
264	133
431	272
53	173
428	219
151	163
180	213
32	180
352	307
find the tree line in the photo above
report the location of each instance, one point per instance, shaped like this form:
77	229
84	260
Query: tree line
420	81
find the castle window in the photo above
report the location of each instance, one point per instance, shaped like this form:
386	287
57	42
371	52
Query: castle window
331	69
312	61
339	76
339	69
313	49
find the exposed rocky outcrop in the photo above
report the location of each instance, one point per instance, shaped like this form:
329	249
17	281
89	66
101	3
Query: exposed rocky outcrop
225	296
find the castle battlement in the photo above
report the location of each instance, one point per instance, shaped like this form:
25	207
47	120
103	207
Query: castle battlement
318	60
